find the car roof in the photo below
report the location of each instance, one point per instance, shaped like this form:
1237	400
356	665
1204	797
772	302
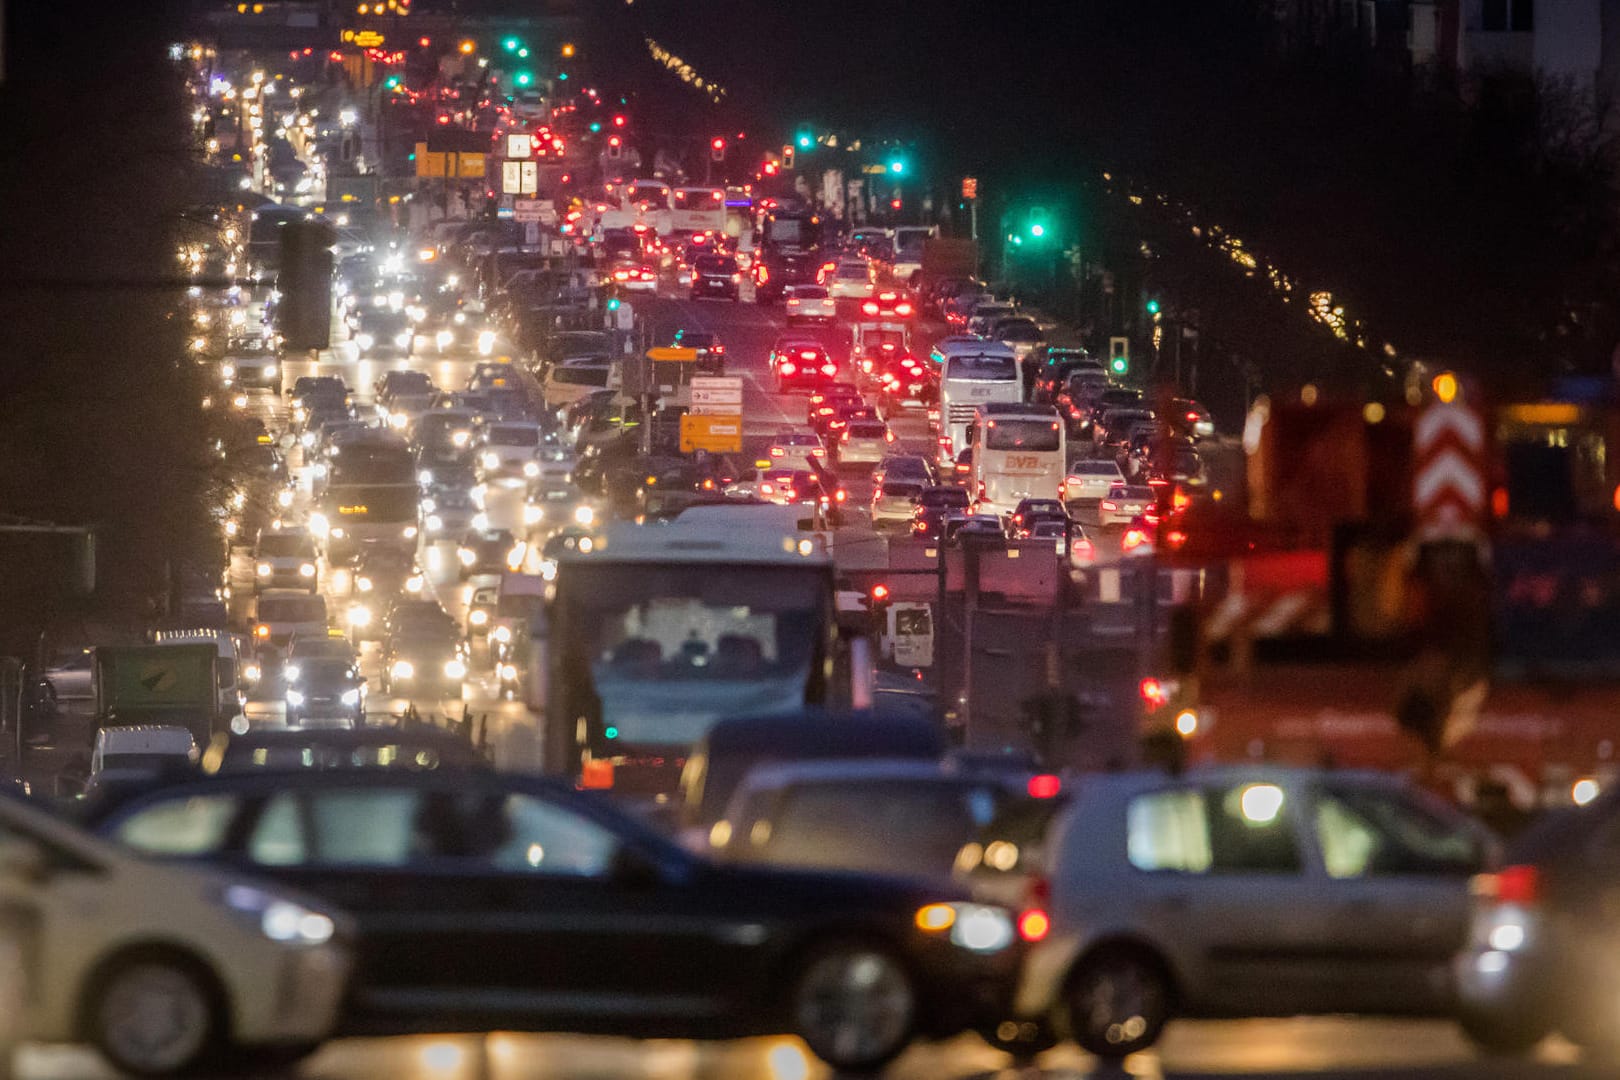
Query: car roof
875	770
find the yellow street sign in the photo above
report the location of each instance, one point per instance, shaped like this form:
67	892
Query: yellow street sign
685	356
364	39
716	434
428	164
472	166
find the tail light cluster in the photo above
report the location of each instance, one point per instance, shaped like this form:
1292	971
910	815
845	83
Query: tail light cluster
1033	921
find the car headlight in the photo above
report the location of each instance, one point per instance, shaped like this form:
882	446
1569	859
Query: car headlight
478	617
402	669
319	525
284	499
531	469
584	515
978	928
306	569
459	318
455	669
365	341
410	532
363	583
480	521
250	673
425	477
263	569
280	919
459	439
486	342
532	514
443	338
338	534
398	420
413	584
359	615
269	370
466	556
402	340
350	697
502	634
295	698
433	522
491	460
508	672
227	370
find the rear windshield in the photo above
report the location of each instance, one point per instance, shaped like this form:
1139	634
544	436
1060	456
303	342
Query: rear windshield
982	368
714	264
809	292
945	497
292	609
583	375
894	490
1094	468
1033	435
866	431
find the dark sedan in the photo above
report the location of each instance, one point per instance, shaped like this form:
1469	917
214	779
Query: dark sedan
488	901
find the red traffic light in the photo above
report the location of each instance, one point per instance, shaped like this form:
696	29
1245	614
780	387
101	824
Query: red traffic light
770	168
718	143
613	140
880	593
619	121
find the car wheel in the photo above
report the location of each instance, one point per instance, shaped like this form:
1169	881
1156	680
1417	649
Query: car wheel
1118	1003
154	1016
1504	1034
854	1005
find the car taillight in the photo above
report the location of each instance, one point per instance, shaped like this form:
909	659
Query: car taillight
845	438
1509	885
902	309
1044	786
840	495
829	369
869	308
825	410
1134	538
777	451
1109	504
888	435
807	354
1081	551
1034	925
789	367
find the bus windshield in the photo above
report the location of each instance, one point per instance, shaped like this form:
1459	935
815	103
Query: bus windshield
982	368
372	502
669	649
1028	435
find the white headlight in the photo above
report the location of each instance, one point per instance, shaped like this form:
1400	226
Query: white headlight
491	460
460	438
402	669
434	523
533	514
263	569
478	617
413	584
459	317
443	339
410	532
227	370
350	697
250	673
269	370
284	498
502	634
425	477
294	698
455	669
508	672
402	340
531	469
364	341
584	515
278	919
466	556
306	569
981	929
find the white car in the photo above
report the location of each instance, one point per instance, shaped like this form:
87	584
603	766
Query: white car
1123	503
281	613
810	303
851	280
864	442
285	559
139	752
894	502
162	968
507	453
794	449
1091	478
252	371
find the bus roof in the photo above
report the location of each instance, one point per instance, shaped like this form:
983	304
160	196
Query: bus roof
1018	408
705	540
981	347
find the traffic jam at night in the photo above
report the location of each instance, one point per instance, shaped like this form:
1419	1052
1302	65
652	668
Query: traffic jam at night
561	540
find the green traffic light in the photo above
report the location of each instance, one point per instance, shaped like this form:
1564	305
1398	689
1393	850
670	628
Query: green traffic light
805	141
1037	230
511	44
613	303
391	82
1153	307
897	166
1119	365
524	78
523	53
562	76
596	125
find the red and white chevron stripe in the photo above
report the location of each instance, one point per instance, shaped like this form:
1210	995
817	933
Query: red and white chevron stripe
1448	484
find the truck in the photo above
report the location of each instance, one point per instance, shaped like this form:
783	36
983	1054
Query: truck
906	261
947	257
173	685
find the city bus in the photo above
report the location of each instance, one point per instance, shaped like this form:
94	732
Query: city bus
699	210
371	498
1018	453
973	374
654	633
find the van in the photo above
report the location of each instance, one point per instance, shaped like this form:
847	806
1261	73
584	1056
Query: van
140	752
228	669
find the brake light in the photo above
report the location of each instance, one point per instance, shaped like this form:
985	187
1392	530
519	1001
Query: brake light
716	349
840	495
869	308
807	354
846	437
1192	416
902	309
789	367
888	435
962	467
1134	538
777	451
1081	551
1509	885
595	775
1044	786
1034	925
829	369
1110	504
1153	692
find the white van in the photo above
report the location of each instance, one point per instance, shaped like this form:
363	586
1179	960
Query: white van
139	752
228	672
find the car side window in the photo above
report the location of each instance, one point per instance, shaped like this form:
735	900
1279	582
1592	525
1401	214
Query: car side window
1243	829
533	836
1379	834
194	826
376	827
278	837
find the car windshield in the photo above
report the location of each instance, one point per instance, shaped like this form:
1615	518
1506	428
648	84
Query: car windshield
945	497
1094	468
514	435
286	546
715	264
297	609
325	671
580	375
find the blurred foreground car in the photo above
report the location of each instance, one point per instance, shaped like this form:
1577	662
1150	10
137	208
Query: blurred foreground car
163	969
1244	892
488	901
1540	951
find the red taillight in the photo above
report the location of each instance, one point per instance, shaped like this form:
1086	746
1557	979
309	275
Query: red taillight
840	495
1044	786
825	410
1509	885
596	775
788	367
829	369
1081	551
888	435
1153	691
962	467
807	354
869	308
777	451
1034	925
1192	416
1134	538
846	437
902	309
1109	504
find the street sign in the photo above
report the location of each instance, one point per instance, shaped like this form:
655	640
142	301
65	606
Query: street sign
471	166
363	39
670	353
717	395
1448	484
526	209
625	317
716	434
428	163
530	182
511	177
970	187
874	170
519	146
531	234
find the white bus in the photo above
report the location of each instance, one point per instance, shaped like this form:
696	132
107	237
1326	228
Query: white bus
1018	453
699	210
971	376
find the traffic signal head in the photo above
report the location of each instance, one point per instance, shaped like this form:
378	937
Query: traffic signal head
596	126
524	78
1153	306
467	48
619	120
880	593
897	166
770	168
1037	230
804	140
511	44
717	149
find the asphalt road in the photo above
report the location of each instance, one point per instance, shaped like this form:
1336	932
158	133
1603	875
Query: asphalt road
1302	1049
